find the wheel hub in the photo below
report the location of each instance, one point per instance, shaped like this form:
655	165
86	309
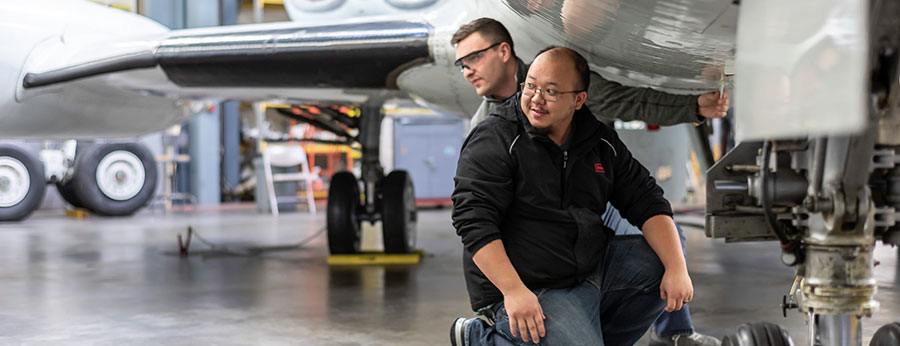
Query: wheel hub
14	181
120	175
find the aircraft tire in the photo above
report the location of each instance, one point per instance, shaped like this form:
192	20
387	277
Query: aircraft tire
398	213
21	182
67	191
341	221
114	179
887	335
758	334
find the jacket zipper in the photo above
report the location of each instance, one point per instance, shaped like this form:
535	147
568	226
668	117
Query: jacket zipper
563	180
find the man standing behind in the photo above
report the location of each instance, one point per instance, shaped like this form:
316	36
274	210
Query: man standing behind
532	183
485	56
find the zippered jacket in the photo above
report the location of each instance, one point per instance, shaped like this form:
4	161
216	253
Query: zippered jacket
543	202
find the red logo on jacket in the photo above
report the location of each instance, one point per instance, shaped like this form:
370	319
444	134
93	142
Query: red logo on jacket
598	168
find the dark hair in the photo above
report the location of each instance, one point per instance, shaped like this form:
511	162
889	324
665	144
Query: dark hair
491	29
581	64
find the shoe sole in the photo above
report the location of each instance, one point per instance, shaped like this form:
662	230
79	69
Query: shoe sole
458	332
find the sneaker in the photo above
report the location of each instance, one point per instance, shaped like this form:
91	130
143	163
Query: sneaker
693	339
458	331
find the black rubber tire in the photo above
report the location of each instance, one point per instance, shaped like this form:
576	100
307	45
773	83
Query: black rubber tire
341	221
67	189
887	335
758	334
35	194
398	213
87	191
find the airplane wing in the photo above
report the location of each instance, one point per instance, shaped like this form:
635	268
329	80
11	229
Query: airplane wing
137	85
91	71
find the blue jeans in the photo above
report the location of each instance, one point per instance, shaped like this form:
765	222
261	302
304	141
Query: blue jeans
669	323
613	306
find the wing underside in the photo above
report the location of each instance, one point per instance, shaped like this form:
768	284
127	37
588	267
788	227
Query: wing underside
359	55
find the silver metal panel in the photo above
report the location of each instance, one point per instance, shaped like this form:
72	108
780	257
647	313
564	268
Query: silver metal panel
672	45
801	65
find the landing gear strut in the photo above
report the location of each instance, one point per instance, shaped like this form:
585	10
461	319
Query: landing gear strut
388	199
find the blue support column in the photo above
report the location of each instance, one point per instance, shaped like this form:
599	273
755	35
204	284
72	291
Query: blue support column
230	10
205	129
167	12
231	137
204	145
231	116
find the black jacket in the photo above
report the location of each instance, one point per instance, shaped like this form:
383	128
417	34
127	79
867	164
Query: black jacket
545	203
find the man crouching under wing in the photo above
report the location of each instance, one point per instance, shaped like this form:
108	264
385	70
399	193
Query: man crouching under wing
532	183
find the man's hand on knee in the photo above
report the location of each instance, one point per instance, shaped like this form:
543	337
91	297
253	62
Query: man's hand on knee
525	315
676	289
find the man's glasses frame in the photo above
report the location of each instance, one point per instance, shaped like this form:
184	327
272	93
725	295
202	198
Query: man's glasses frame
548	94
473	57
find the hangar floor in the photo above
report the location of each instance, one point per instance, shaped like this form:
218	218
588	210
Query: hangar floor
115	281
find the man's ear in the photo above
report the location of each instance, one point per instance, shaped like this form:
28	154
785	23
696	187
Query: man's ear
580	97
505	51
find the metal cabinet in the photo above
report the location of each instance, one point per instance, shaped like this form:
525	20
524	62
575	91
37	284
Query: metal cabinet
428	147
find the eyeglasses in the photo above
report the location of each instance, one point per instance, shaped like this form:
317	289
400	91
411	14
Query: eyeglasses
552	95
472	58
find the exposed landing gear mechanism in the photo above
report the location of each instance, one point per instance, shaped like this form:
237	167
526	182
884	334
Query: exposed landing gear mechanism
827	200
396	210
110	179
371	197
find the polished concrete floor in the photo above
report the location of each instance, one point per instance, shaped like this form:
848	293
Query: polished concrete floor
120	281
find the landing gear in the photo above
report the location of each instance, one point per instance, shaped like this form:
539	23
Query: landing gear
396	208
114	179
21	182
758	334
390	199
